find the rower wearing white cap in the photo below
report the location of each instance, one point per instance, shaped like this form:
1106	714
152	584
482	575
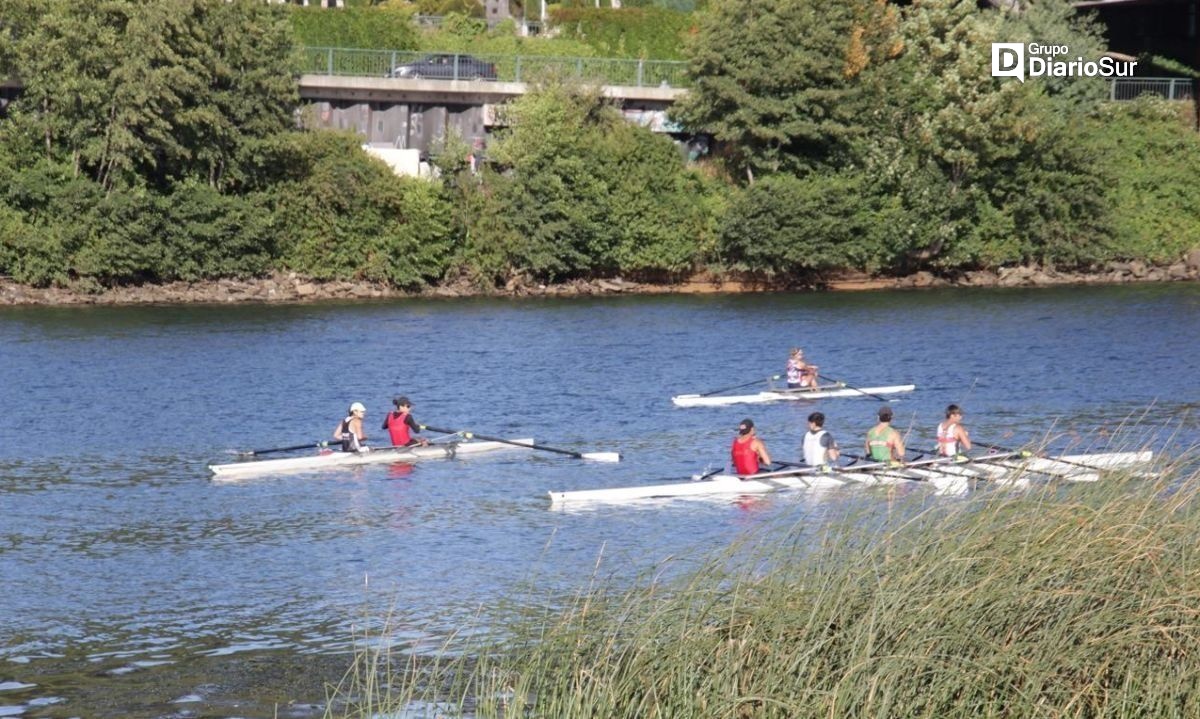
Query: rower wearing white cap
350	430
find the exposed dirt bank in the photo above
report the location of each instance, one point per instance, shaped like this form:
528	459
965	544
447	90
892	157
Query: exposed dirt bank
290	288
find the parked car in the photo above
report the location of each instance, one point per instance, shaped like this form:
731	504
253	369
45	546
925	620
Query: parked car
442	67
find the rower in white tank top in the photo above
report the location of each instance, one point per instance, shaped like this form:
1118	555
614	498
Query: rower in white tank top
951	434
818	447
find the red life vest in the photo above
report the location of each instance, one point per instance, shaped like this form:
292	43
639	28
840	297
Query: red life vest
398	429
745	459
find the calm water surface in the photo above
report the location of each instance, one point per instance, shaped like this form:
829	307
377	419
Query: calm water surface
119	556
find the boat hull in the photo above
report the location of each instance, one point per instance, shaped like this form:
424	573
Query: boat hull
695	400
943	473
383	455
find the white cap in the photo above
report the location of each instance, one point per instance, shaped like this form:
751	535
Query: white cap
357	407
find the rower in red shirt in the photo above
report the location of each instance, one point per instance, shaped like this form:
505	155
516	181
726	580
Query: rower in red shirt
400	424
748	449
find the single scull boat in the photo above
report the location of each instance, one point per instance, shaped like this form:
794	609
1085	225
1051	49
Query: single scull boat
784	395
941	472
382	455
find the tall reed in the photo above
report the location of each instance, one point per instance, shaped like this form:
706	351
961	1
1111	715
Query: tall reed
1077	601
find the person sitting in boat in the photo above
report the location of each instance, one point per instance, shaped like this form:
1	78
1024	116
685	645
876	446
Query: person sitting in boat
800	374
952	437
748	450
819	448
350	430
883	441
400	424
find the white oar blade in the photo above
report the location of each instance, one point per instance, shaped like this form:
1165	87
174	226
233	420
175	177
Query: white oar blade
602	456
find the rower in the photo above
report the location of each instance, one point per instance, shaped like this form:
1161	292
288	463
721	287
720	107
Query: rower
748	450
400	424
800	374
350	430
883	442
951	433
820	450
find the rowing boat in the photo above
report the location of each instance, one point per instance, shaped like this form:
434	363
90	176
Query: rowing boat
783	395
382	455
944	473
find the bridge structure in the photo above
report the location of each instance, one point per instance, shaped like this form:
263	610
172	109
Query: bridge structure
411	101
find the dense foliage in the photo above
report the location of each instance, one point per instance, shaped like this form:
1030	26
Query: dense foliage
574	189
648	33
369	28
157	142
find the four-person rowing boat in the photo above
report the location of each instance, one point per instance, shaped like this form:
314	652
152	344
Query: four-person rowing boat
383	455
830	391
944	473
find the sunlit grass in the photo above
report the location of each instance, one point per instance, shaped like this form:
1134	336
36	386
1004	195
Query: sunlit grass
1059	601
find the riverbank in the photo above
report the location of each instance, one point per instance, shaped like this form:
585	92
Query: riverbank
291	287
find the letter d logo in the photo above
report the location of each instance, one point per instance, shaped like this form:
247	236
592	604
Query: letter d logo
1008	60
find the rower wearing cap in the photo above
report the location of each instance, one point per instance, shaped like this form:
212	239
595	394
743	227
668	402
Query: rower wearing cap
350	430
883	441
951	434
400	424
748	450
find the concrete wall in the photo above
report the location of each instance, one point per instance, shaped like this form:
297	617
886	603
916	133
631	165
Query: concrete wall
406	126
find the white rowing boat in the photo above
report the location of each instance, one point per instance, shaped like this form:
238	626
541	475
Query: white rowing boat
944	473
382	455
784	395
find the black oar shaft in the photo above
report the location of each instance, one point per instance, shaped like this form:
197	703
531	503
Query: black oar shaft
851	387
544	448
739	386
293	448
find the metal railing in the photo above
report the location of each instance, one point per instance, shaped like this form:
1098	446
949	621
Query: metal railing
1170	88
507	68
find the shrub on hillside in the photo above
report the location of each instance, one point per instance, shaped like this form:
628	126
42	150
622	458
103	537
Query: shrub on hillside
648	33
800	227
1146	152
344	215
369	28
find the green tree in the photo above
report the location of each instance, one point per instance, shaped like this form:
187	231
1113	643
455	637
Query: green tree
774	80
133	92
246	52
802	228
993	168
1146	150
344	215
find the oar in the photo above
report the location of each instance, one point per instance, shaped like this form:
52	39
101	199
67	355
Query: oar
595	456
293	448
739	386
1027	453
856	389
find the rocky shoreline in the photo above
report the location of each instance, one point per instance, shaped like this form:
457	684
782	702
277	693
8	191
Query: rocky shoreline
290	288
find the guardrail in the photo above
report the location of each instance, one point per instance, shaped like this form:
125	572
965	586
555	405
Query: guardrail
506	68
1170	88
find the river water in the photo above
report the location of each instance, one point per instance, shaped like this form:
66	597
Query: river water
132	585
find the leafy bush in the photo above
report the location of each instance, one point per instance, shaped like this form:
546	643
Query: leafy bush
648	33
207	235
347	216
800	227
1146	151
369	28
585	192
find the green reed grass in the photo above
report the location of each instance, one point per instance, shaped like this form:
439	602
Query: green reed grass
1073	601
